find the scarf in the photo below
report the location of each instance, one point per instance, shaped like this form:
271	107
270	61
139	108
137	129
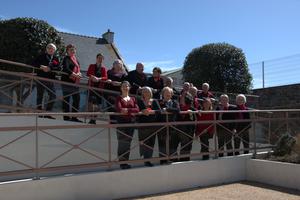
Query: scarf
76	68
240	114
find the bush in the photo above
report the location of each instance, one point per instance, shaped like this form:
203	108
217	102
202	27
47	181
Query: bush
222	65
23	39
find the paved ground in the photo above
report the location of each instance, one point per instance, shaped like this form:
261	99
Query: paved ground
235	191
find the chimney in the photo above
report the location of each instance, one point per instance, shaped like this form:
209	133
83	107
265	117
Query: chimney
108	36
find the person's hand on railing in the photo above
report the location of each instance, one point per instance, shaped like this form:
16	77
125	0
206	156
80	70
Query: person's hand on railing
108	81
199	112
45	68
116	83
124	110
147	112
94	79
234	131
76	75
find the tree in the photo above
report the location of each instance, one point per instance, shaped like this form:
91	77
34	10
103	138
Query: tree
23	39
222	65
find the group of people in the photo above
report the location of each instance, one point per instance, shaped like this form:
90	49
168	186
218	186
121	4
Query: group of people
148	100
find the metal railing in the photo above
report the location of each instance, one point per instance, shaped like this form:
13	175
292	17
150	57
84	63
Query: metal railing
33	147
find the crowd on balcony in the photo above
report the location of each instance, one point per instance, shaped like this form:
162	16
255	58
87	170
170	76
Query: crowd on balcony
155	99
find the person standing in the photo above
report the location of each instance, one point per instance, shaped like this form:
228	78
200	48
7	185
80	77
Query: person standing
242	128
126	106
205	131
169	83
156	82
117	75
45	64
225	130
71	74
185	138
169	113
97	74
137	78
149	108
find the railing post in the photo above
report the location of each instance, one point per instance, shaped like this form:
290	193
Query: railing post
254	136
263	74
109	147
37	174
215	137
269	131
287	122
168	137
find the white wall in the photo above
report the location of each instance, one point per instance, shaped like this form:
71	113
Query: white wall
129	183
274	173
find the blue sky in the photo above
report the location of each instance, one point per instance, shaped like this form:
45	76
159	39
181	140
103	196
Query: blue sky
162	32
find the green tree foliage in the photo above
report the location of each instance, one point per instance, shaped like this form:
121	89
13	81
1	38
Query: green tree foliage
222	65
23	39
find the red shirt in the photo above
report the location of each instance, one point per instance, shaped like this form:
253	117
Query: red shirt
201	127
131	106
92	71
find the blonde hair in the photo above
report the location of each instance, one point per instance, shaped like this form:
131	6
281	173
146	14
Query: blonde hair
167	89
146	89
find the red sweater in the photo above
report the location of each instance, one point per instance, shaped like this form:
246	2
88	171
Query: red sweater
131	106
92	71
201	127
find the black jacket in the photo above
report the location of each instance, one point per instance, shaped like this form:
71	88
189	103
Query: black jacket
242	125
150	118
171	107
226	116
46	60
136	80
67	67
158	85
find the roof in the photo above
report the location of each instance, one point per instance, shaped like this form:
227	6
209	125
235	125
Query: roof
172	71
88	47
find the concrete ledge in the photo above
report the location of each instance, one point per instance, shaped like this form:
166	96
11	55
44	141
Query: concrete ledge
274	173
130	183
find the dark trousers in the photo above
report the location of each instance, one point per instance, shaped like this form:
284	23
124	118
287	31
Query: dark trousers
245	140
41	89
146	135
204	137
224	139
163	142
124	136
185	139
67	91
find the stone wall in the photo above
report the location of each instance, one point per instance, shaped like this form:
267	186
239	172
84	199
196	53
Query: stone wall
287	96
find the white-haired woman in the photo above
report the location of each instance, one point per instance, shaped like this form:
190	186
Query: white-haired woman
171	106
46	63
242	128
117	75
149	108
225	130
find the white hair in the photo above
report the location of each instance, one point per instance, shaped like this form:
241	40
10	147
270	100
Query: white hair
205	84
167	89
118	61
170	79
241	96
51	45
224	96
